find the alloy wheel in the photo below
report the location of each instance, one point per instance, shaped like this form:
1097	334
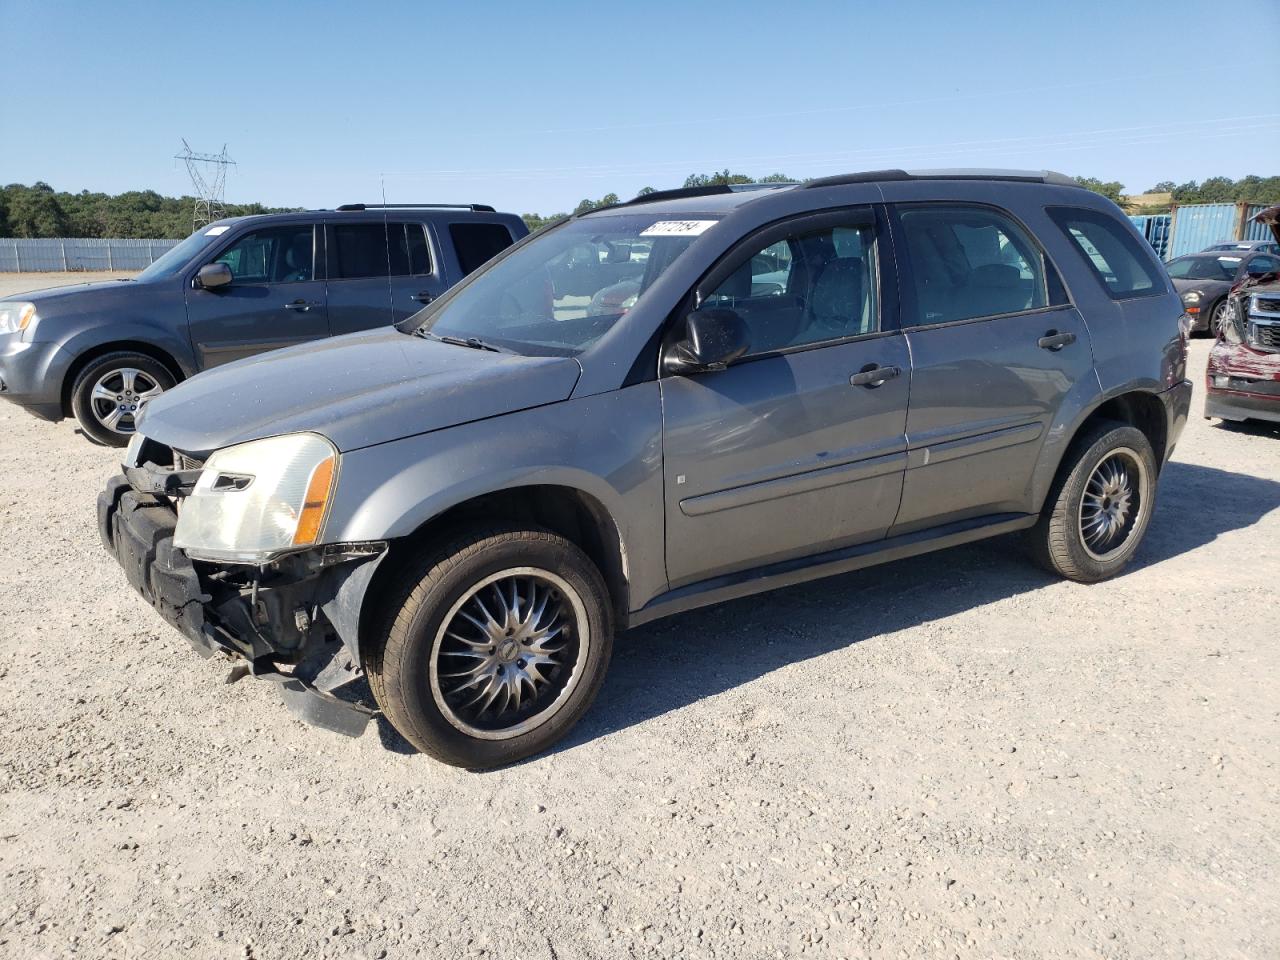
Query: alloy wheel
119	396
1113	503
509	653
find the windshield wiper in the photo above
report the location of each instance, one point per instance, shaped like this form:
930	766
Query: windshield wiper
475	343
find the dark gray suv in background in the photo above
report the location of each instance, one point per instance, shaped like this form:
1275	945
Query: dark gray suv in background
695	396
238	287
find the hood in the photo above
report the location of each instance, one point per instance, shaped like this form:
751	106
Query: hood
1271	217
67	297
357	390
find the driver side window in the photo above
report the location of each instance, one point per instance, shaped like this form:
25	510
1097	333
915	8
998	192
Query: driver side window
808	287
274	255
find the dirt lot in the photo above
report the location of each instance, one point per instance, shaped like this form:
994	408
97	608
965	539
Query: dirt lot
954	756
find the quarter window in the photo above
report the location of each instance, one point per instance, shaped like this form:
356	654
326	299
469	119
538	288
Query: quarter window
274	255
805	288
378	250
970	262
1125	269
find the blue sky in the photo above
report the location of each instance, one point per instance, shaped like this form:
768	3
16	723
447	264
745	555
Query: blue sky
532	107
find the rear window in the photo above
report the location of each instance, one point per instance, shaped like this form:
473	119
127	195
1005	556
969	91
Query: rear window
477	243
1116	257
378	250
1205	268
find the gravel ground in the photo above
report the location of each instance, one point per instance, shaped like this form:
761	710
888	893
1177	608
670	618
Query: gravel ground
952	756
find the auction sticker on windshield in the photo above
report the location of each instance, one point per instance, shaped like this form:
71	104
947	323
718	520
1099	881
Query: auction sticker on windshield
677	228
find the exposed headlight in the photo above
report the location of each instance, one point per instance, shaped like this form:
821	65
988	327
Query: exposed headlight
1191	296
15	316
259	499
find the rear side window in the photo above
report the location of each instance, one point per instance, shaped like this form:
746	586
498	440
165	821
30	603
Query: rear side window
970	262
378	250
478	242
1116	257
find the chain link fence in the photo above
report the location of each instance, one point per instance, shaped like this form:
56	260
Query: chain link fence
80	253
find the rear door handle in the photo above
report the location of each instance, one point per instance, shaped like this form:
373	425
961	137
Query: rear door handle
1053	340
422	297
872	375
302	305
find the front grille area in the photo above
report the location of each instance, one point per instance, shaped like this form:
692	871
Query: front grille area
1266	304
1264	336
183	462
1266	388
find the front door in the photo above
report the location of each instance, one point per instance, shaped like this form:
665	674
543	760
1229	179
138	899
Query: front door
274	299
995	349
799	447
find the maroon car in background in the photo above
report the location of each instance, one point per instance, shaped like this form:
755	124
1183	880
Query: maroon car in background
1243	379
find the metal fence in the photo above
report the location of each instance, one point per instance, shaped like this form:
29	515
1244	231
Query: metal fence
80	253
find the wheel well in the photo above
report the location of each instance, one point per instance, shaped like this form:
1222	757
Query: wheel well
1142	410
574	515
101	350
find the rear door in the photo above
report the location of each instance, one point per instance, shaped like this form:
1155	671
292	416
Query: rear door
995	349
380	272
274	299
799	447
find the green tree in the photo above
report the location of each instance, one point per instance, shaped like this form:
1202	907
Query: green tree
1113	190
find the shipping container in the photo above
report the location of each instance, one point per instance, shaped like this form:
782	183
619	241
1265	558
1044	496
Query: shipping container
1200	225
1252	230
1155	227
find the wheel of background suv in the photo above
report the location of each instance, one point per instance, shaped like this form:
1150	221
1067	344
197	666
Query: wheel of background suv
1216	316
1098	509
110	391
496	645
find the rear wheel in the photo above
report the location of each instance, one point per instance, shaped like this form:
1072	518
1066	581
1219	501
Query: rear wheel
1098	509
497	645
1217	316
111	391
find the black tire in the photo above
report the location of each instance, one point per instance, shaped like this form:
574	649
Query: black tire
436	585
1211	324
1058	541
88	410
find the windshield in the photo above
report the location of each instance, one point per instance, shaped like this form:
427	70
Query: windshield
562	291
1204	268
175	259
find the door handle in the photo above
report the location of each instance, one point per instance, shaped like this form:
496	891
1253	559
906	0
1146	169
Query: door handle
423	297
302	305
1053	340
872	375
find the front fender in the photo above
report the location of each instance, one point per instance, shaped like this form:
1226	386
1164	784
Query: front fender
92	335
607	446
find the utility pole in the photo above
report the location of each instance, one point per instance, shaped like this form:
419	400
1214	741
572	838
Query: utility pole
209	188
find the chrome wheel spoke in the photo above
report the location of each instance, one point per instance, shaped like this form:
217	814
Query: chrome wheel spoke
1111	503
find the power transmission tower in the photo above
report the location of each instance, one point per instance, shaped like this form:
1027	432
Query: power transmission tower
209	188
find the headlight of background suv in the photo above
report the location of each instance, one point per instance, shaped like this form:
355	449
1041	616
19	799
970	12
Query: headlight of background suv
15	316
259	499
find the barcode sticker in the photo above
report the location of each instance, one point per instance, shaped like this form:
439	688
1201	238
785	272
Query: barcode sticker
677	228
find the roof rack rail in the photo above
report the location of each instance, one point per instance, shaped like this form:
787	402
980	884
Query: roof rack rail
477	207
881	176
678	193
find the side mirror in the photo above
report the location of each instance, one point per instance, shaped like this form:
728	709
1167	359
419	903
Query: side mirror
714	338
212	276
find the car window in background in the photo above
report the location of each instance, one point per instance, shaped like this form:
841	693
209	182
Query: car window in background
378	250
1264	265
1124	268
1205	268
969	262
477	243
273	255
807	288
564	288
174	259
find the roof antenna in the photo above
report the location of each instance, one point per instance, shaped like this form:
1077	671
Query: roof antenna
386	236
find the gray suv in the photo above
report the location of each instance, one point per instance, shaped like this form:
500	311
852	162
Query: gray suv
238	287
695	396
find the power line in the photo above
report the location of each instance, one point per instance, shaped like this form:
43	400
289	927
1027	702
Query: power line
209	205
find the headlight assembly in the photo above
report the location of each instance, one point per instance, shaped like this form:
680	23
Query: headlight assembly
1192	296
257	500
16	316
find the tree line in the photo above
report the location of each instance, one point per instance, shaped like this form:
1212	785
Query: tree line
40	211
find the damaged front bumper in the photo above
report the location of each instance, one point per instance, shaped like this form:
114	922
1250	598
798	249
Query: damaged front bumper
294	621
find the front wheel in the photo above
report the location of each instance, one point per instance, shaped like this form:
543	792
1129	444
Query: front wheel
1099	507
112	390
497	645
